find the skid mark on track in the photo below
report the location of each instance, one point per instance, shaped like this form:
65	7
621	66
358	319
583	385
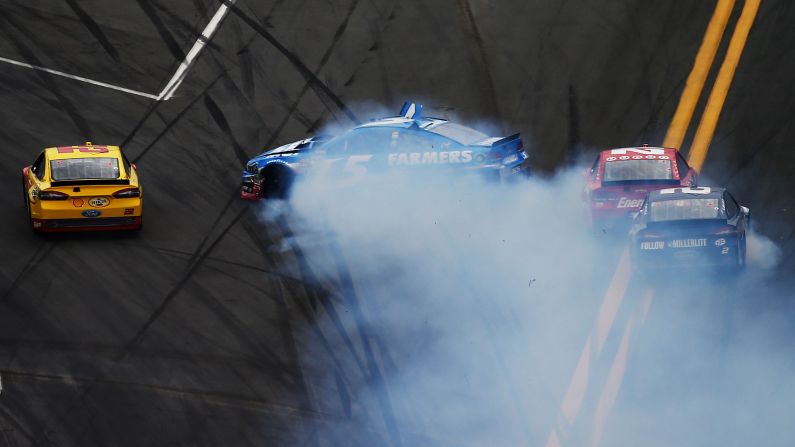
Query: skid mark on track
311	126
162	29
543	44
94	29
44	250
192	30
133	343
220	119
18	427
270	272
246	337
47	80
316	83
322	64
322	298
170	124
362	327
108	351
484	60
207	396
286	327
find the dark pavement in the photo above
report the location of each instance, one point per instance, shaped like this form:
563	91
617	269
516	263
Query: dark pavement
212	327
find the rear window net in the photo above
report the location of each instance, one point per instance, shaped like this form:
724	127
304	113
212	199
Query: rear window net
85	168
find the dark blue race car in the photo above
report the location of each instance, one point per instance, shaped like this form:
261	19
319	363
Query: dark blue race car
689	227
407	142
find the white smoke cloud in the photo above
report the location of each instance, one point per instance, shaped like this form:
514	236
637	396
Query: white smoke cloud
481	296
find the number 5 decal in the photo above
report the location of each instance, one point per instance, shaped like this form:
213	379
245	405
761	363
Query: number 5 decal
356	164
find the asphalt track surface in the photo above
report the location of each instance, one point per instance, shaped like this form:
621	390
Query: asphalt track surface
197	332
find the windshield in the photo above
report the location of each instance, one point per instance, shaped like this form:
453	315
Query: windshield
460	134
85	168
628	170
686	209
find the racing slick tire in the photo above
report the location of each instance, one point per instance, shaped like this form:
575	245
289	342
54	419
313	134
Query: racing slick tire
29	219
741	254
276	182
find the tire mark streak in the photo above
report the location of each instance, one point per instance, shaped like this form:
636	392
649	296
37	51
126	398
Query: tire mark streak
246	336
42	252
296	62
323	61
8	416
483	60
108	351
309	274
133	343
220	119
212	397
47	79
94	29
362	326
162	29
306	312
171	123
193	30
274	273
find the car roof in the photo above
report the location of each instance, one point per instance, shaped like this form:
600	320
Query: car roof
83	151
706	192
430	124
638	151
404	123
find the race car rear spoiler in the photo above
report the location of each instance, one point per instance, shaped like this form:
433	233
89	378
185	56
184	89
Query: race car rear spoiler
90	182
506	140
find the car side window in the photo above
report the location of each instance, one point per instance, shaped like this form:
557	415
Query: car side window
731	206
682	165
406	140
359	141
38	167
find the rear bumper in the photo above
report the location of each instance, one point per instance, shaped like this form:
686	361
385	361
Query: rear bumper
87	224
725	256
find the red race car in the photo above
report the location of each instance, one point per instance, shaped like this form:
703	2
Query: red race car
619	180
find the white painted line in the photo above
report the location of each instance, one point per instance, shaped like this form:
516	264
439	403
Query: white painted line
198	46
78	78
175	81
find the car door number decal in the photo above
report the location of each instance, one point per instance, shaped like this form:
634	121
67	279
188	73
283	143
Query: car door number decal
356	164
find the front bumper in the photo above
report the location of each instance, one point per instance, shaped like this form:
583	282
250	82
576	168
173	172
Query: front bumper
251	191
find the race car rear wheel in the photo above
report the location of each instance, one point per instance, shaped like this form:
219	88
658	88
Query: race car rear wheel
25	197
24	191
741	253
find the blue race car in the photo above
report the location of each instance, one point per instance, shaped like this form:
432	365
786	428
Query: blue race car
689	227
406	142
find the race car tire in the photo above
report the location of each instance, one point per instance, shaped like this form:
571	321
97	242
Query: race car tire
276	182
741	253
29	218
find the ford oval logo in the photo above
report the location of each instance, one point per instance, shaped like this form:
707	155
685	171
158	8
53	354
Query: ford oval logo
91	213
98	202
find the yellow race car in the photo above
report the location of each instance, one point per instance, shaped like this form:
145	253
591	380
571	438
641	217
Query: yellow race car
79	188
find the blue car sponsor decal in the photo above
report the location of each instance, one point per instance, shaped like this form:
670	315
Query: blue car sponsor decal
91	213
